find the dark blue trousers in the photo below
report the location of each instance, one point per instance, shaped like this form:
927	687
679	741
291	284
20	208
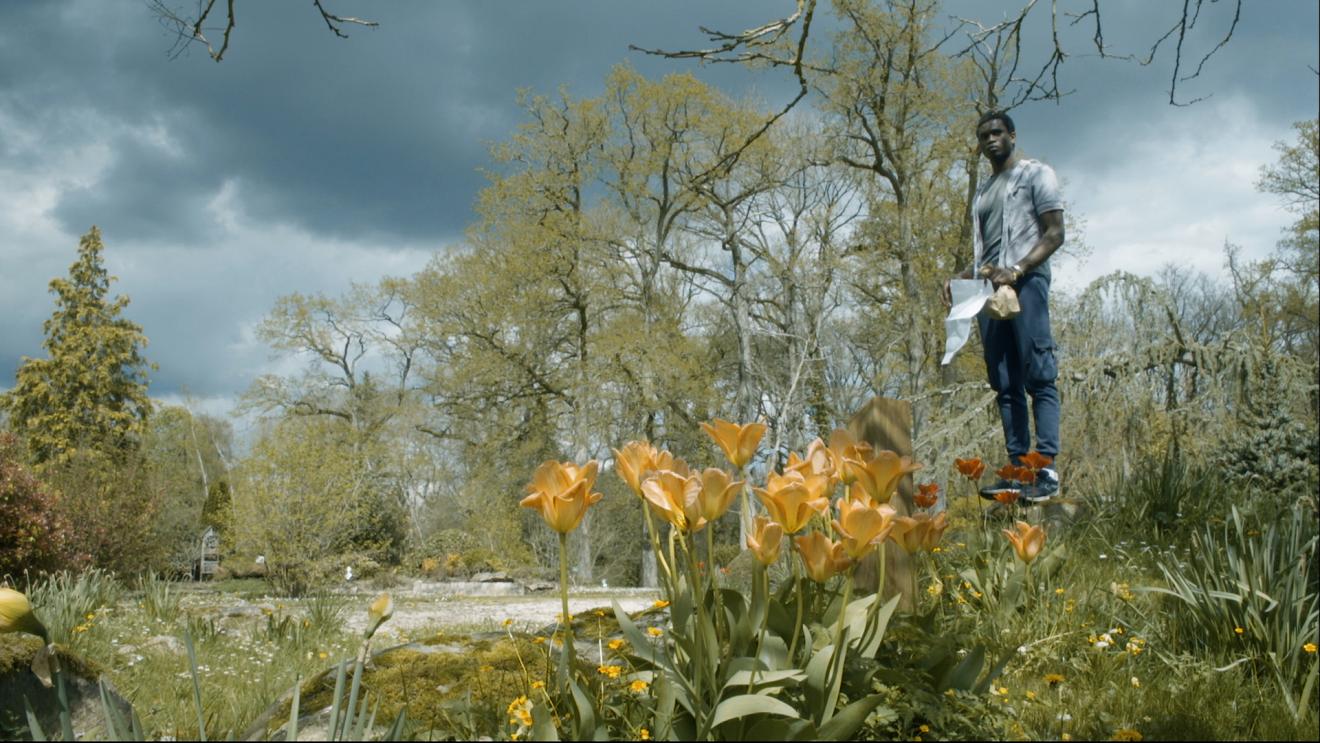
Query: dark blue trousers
1020	362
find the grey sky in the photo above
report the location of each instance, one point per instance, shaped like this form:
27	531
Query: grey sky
304	162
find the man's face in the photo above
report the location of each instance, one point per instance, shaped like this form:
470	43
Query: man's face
996	141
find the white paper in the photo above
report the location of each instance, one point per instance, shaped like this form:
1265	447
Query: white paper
969	296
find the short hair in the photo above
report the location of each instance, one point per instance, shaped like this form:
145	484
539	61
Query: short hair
1002	116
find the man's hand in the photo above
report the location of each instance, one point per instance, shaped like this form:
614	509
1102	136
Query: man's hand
999	276
947	294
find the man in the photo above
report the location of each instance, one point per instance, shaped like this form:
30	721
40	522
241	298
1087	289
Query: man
1017	224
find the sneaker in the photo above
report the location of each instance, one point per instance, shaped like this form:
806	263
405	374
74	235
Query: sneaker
1002	486
1046	485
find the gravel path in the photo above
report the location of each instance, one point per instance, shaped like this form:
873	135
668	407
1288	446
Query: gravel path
530	613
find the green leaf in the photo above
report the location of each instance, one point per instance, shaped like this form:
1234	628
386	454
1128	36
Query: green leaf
543	726
743	705
849	719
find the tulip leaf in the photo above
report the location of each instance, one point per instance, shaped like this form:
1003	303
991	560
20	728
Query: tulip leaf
984	684
34	727
779	728
641	646
868	628
663	717
844	725
543	725
586	714
765	680
963	676
743	705
681	608
773	652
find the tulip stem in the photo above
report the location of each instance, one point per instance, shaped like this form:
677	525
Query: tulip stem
797	623
566	618
700	651
66	716
713	580
762	578
659	556
843	608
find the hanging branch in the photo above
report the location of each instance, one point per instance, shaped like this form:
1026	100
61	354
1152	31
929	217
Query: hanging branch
753	45
188	30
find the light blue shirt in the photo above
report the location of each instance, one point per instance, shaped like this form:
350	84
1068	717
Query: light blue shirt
1031	190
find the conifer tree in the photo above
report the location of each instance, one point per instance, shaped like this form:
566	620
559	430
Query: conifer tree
90	395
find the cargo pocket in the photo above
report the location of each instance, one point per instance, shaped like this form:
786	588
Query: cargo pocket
1043	367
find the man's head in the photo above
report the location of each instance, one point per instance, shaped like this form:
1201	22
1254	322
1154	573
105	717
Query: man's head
996	135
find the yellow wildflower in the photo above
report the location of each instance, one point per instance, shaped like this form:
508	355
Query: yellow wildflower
1239	630
617	643
1126	734
538	685
520	712
659	605
1309	647
654	631
1054	679
638	686
644	734
538	640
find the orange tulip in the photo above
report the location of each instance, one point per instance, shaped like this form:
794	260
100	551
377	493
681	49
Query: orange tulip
972	469
820	460
1035	460
1027	541
792	499
928	494
633	462
822	557
879	475
863	525
676	498
919	531
737	442
1008	497
843	446
764	539
717	493
562	493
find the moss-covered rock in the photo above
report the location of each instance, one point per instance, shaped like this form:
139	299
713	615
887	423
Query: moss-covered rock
18	682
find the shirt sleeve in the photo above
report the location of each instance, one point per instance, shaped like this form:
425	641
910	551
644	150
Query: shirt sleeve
1045	194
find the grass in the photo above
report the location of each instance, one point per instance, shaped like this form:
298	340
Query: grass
1089	651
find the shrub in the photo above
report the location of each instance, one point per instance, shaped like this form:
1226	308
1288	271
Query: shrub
34	535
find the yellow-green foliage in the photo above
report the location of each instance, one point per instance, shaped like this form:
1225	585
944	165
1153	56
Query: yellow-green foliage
91	394
299	500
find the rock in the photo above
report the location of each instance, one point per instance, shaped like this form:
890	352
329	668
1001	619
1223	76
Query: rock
243	609
164	644
540	586
498	577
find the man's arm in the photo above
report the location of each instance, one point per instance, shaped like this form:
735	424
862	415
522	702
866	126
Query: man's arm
1051	237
